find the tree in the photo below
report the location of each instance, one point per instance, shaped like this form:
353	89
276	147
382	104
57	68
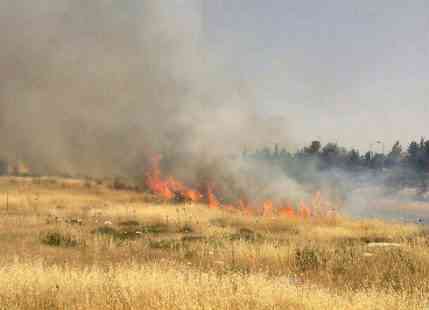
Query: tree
368	156
377	161
266	153
353	159
330	155
314	148
394	157
425	154
413	151
276	151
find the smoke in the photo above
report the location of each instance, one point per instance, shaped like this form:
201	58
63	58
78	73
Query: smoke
98	87
95	87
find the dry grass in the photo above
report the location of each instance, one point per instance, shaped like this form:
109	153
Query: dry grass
79	245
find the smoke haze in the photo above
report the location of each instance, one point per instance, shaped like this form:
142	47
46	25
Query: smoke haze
94	87
98	87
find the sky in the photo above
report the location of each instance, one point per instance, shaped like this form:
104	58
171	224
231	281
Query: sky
352	72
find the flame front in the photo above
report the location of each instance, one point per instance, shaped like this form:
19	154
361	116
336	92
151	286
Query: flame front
168	188
213	202
267	208
171	189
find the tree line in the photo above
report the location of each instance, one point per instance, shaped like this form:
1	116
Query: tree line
400	167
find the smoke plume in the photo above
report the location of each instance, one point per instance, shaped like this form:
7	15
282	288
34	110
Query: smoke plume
94	87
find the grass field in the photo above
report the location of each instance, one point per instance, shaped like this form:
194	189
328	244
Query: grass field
69	244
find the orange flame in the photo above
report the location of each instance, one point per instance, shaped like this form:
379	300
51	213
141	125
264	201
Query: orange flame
287	211
212	200
168	188
267	208
304	211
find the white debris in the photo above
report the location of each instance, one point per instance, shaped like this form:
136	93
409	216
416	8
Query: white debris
383	244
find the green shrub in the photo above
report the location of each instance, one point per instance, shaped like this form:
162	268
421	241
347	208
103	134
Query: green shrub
155	228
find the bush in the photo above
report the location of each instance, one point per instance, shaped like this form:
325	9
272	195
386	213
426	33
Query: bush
186	229
58	239
246	235
155	228
165	244
129	223
308	259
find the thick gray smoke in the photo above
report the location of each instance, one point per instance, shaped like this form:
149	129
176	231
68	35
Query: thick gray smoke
98	87
94	87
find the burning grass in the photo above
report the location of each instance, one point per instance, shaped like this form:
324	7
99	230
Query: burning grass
121	252
171	190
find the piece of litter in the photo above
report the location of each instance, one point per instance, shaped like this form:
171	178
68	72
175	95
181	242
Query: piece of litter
383	244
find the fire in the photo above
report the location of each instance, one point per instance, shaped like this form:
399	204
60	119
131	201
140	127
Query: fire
168	188
171	189
304	211
267	208
161	188
287	210
192	195
212	200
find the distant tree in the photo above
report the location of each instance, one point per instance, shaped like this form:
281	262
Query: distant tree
422	143
425	155
330	155
284	154
396	149
266	153
377	161
426	147
394	157
368	156
417	160
353	159
314	148
276	151
413	151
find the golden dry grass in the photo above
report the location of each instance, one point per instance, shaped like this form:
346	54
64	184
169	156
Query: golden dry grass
80	245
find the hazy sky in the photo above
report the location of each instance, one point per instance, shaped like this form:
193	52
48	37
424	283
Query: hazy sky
351	71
